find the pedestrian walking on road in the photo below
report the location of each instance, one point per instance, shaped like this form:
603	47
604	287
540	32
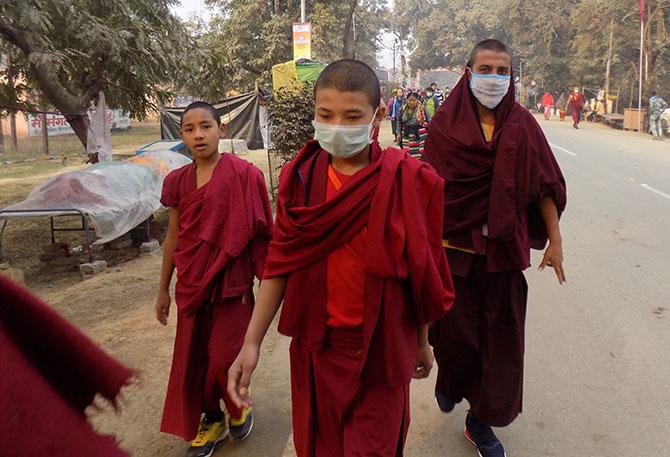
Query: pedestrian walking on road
431	103
411	120
357	259
548	104
394	110
437	94
219	231
504	193
656	107
576	102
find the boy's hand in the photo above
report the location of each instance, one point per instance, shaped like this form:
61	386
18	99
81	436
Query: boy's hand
163	307
239	375
553	257
424	361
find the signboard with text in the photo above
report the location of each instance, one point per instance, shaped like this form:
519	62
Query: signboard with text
57	125
302	40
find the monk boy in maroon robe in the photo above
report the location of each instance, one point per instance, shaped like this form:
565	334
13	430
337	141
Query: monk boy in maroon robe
504	193
219	231
357	258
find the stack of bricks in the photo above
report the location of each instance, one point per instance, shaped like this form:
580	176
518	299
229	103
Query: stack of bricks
119	247
57	258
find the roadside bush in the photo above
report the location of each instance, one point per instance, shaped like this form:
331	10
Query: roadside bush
291	114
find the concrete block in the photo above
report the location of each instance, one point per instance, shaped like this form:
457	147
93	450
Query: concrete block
93	268
150	246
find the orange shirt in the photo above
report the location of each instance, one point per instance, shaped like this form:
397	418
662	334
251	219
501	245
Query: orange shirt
346	277
488	130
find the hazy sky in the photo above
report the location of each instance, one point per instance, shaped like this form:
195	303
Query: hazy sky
188	8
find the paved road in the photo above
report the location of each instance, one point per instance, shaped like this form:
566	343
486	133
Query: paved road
597	359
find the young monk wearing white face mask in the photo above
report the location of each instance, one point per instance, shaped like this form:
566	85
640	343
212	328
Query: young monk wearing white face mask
357	259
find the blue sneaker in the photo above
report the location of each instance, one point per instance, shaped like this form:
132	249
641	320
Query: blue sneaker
483	438
446	405
241	428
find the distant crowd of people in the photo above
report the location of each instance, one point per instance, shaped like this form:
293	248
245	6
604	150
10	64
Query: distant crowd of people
410	111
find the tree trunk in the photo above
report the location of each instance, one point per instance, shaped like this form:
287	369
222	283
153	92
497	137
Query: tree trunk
346	39
2	137
12	127
45	133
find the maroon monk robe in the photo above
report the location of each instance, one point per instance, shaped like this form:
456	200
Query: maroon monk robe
225	228
576	105
407	279
479	345
49	373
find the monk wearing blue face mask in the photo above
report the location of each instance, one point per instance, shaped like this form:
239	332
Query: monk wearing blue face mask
357	259
504	193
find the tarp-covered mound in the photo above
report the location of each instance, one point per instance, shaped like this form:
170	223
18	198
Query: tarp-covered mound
117	196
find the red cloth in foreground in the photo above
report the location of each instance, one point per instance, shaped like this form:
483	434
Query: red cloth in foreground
50	372
407	280
224	231
345	270
497	183
334	414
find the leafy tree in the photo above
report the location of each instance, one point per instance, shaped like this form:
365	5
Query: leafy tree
247	37
72	49
593	20
560	43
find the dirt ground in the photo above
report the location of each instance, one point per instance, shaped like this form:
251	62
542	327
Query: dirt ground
115	309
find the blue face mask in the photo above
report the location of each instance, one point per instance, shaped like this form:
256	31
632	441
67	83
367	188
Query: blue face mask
489	90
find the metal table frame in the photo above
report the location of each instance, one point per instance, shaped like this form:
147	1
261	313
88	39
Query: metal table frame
85	224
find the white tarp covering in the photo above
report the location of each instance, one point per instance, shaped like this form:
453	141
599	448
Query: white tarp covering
117	196
99	138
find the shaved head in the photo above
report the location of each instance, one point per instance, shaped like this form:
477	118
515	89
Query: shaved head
489	45
348	75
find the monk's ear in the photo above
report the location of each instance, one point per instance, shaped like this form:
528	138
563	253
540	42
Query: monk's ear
381	114
222	130
379	117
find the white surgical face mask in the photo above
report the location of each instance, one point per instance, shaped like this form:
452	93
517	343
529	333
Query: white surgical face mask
489	89
343	141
